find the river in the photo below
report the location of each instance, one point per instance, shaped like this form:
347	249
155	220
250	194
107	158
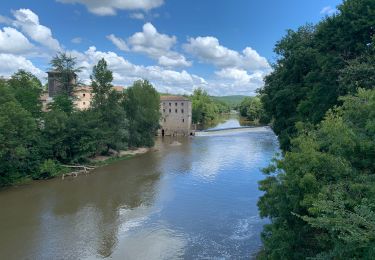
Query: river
188	201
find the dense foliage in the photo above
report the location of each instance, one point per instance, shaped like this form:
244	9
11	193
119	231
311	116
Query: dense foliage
321	201
320	195
34	144
142	107
206	108
317	64
252	109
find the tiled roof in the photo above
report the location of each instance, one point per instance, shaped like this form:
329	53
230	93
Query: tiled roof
173	98
89	88
118	88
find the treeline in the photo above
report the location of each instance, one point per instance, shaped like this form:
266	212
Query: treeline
320	197
34	144
206	108
252	109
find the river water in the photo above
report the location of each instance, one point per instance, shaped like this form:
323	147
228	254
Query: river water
196	200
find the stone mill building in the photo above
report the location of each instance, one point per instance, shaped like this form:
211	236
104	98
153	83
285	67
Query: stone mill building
175	116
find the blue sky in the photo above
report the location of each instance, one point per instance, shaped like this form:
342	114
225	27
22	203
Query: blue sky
224	46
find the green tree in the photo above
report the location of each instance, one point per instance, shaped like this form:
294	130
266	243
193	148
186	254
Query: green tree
19	137
315	64
252	109
27	90
66	67
62	102
142	104
112	119
320	196
101	82
204	108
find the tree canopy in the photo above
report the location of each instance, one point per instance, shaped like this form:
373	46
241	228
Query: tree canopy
34	144
317	64
320	194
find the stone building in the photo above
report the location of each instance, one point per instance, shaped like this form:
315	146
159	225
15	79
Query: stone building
55	85
176	116
82	95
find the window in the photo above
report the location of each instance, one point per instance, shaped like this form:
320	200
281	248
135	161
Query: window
182	104
84	103
165	120
84	94
182	111
170	110
175	110
163	110
170	104
183	120
175	104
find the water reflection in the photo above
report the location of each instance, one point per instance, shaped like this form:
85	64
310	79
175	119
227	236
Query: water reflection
82	214
190	198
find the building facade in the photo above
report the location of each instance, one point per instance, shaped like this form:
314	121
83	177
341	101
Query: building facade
176	116
82	95
54	84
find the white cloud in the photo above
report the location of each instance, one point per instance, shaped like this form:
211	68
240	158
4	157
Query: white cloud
12	41
327	10
118	42
125	72
10	63
76	40
228	81
138	16
151	42
29	24
109	7
208	50
173	59
233	80
155	45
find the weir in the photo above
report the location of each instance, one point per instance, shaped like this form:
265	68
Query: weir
232	130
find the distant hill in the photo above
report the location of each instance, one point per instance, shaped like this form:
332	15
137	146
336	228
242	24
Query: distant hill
230	100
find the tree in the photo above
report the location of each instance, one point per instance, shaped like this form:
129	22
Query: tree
142	104
112	119
203	107
320	196
66	67
252	109
317	64
19	155
27	90
62	103
101	82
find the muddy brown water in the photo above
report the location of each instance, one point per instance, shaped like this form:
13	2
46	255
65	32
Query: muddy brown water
196	200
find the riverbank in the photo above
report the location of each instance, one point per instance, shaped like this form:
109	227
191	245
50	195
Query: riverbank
93	163
102	160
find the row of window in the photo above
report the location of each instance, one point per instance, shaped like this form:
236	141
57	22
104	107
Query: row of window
183	120
176	111
170	104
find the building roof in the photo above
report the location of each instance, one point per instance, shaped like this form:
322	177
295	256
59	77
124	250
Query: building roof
89	88
118	88
83	88
174	98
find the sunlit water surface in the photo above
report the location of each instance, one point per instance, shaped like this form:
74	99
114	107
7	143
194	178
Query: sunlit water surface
188	201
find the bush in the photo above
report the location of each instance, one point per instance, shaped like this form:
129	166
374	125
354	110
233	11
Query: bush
47	169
